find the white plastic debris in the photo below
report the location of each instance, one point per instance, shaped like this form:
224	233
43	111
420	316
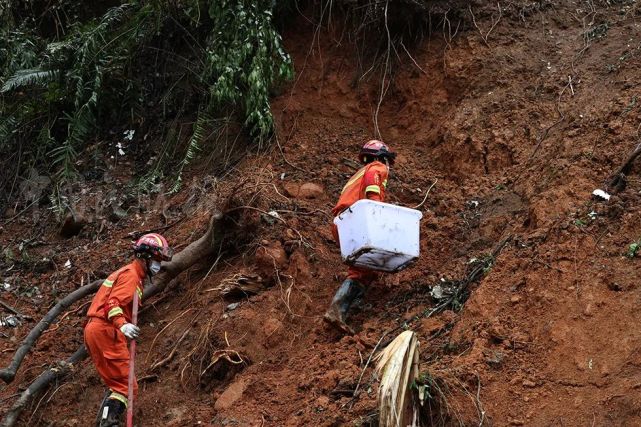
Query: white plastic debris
9	322
273	214
129	134
68	264
6	286
602	194
592	215
437	292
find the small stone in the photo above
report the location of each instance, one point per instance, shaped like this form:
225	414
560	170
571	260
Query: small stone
308	190
515	299
230	395
529	383
614	286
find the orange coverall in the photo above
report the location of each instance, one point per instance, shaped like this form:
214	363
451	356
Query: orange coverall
110	309
369	182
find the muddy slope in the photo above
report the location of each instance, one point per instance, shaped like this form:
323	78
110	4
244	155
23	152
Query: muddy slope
518	127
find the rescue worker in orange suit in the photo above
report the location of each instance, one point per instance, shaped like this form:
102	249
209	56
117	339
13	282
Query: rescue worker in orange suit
369	182
109	324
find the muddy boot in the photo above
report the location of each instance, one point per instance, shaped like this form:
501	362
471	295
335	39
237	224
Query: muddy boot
112	413
102	406
345	296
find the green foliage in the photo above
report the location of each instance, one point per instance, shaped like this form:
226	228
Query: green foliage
242	65
135	64
633	249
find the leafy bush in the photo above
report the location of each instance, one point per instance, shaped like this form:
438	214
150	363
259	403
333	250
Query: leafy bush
146	65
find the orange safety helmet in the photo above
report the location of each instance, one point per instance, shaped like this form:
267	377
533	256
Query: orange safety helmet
378	150
153	246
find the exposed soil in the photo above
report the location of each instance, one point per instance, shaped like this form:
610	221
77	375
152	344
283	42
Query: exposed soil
518	130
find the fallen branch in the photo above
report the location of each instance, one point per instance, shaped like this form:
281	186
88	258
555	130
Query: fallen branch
189	256
617	182
13	310
9	373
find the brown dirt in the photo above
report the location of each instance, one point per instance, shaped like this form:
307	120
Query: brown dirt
547	337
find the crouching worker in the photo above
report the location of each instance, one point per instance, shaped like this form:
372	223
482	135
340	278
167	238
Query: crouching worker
369	182
109	324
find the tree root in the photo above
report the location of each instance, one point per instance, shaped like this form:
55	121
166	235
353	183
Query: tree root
189	256
9	373
47	377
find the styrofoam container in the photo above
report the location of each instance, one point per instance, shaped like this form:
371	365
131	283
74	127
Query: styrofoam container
379	236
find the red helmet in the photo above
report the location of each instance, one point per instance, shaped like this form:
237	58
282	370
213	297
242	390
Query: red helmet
378	150
153	246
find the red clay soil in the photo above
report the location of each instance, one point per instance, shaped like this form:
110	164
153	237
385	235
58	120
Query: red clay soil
518	129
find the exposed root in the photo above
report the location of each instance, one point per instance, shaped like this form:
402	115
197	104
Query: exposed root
189	256
9	373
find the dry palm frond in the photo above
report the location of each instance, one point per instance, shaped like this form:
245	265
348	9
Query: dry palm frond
241	285
397	366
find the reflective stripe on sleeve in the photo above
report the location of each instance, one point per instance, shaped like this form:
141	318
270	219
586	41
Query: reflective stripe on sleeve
114	312
373	189
108	283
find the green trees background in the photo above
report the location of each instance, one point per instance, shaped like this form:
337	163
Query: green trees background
72	72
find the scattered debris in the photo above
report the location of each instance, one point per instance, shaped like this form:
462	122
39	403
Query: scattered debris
233	306
240	285
601	194
11	321
68	264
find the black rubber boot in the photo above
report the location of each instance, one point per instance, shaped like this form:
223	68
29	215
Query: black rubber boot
111	413
348	292
102	406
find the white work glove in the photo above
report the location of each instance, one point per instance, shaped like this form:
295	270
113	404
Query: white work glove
130	330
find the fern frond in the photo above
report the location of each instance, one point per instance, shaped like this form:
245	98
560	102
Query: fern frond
28	77
193	147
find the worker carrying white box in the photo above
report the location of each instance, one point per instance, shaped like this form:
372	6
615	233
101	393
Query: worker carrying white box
373	236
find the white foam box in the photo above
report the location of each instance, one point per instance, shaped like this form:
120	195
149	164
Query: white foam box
379	236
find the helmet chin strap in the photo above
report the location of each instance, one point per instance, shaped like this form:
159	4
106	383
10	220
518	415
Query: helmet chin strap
148	267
